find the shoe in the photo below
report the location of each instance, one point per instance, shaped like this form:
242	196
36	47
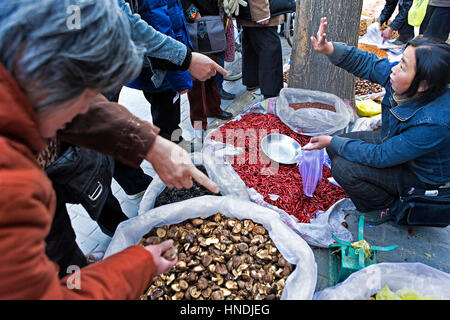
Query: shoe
226	95
233	76
252	88
397	42
136	196
224	116
375	217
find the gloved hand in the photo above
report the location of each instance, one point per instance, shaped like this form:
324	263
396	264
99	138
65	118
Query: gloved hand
231	7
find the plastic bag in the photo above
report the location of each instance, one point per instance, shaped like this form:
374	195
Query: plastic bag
310	165
367	108
367	124
312	121
300	284
416	13
317	233
364	283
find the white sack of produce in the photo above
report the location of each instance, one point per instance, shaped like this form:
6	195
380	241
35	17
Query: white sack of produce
312	121
361	285
300	284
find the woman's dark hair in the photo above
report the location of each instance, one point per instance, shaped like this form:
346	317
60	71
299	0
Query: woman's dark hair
432	66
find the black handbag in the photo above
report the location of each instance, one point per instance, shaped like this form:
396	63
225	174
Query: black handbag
86	175
424	208
208	34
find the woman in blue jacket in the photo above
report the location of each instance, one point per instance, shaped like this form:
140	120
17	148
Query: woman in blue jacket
166	16
413	147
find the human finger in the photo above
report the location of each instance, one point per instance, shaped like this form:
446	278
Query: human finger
221	70
203	179
187	183
165	245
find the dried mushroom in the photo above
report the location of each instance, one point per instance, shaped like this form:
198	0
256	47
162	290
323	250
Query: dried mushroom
171	253
219	258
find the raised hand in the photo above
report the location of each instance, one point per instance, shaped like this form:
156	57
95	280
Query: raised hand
320	43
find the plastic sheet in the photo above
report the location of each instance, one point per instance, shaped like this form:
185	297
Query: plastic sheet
312	121
364	283
300	284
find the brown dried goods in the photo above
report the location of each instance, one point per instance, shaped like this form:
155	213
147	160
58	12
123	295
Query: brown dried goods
314	105
380	53
219	258
171	253
363	87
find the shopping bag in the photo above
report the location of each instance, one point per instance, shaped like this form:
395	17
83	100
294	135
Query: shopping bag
310	164
417	12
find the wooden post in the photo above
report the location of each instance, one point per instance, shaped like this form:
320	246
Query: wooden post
310	70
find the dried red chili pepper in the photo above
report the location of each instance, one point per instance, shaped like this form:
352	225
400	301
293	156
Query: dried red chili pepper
286	182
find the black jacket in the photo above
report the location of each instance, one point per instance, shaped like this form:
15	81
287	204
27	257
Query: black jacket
85	175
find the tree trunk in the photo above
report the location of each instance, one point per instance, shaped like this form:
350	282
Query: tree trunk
310	70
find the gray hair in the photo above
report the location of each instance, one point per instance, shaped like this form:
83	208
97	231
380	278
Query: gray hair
55	57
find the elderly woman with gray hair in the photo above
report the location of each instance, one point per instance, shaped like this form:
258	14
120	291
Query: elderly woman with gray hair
49	74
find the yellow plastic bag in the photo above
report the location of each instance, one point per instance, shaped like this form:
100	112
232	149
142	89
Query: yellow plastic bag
367	108
417	12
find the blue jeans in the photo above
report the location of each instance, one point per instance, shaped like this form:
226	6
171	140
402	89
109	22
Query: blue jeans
221	62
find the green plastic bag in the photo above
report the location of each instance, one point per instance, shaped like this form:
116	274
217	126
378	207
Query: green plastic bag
417	12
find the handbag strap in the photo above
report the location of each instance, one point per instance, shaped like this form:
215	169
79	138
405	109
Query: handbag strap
204	95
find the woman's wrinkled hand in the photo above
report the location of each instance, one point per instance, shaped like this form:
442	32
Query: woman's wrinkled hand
162	265
203	67
174	166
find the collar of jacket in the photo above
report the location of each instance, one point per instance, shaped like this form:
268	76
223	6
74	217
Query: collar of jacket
406	110
18	119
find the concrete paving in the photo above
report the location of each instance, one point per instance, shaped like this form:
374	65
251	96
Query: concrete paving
418	244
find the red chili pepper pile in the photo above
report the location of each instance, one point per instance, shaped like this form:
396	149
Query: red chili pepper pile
286	180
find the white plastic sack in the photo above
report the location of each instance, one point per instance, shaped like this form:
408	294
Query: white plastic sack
366	282
373	35
317	233
367	123
312	121
300	284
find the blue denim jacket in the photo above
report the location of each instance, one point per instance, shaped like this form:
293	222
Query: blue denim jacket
158	45
414	134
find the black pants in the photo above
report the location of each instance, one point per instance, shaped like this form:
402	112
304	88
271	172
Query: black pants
132	180
166	114
262	61
371	188
436	23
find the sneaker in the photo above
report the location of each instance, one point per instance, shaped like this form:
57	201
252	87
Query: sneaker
233	76
226	95
375	217
224	116
252	88
136	195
